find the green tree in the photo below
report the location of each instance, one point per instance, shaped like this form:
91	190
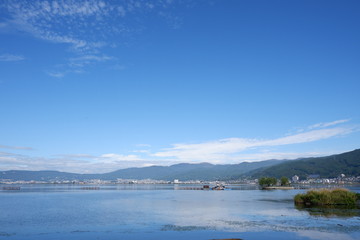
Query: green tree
267	181
284	181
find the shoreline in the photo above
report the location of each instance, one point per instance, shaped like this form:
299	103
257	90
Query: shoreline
278	187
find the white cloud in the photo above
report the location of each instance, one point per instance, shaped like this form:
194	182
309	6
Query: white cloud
88	59
11	58
83	24
141	151
328	124
78	163
86	27
76	156
309	136
261	156
224	149
143	145
119	157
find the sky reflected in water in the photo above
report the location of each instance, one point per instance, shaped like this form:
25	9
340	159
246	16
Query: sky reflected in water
157	214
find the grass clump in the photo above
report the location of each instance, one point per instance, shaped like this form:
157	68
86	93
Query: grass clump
326	197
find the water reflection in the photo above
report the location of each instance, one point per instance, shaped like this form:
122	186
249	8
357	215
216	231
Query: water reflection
316	235
68	212
330	211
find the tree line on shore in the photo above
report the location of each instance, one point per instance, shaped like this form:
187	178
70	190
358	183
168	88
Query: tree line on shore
316	197
271	181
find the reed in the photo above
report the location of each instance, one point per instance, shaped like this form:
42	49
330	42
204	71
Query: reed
326	197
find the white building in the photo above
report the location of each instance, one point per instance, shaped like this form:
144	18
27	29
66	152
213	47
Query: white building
295	179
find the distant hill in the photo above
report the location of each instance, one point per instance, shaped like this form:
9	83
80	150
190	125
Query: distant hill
183	171
327	167
18	175
186	171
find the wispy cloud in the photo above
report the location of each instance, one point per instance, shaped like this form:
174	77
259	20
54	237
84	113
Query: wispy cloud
78	65
56	74
76	156
143	145
11	58
15	147
328	124
61	21
85	26
112	157
226	149
7	154
222	151
88	59
78	163
267	155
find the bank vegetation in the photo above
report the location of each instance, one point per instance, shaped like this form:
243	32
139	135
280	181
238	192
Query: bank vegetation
328	197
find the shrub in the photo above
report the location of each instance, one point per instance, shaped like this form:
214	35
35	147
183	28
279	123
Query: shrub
284	181
267	181
327	197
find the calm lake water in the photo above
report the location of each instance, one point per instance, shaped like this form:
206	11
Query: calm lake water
137	212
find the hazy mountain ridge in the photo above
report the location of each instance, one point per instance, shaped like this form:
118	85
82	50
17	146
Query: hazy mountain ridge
186	171
182	171
327	167
347	163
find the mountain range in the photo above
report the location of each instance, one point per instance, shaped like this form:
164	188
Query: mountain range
327	167
331	166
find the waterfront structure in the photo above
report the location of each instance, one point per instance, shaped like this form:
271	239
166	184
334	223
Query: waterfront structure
295	179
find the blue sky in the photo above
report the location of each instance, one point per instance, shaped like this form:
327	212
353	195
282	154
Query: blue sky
95	86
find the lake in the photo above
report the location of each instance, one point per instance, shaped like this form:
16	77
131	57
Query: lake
137	212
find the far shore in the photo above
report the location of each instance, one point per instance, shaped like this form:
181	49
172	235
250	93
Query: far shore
278	187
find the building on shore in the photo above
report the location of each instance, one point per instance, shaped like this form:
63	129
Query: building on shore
295	179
